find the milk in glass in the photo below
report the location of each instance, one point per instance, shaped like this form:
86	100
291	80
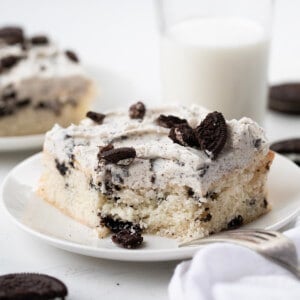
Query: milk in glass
220	63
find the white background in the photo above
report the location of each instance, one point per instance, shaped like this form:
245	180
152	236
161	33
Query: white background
118	39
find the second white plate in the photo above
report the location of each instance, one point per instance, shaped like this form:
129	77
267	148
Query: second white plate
48	224
25	142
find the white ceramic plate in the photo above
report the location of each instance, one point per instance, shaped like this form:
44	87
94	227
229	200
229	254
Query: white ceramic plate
48	224
25	142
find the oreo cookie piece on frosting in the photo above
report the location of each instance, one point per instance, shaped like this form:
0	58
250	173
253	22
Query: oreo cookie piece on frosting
212	134
137	110
33	286
11	35
184	135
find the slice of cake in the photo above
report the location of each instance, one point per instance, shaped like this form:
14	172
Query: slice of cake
40	85
178	172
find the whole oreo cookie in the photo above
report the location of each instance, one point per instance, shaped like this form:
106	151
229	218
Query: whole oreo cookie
285	98
31	286
289	148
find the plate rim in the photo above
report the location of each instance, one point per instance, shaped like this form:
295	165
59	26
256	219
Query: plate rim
110	253
22	142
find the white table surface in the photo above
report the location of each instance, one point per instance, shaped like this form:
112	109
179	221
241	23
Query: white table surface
119	39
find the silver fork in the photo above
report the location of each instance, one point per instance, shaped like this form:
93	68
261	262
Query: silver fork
271	244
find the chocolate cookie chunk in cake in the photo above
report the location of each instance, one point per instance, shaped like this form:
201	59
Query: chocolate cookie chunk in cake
116	156
285	98
40	84
23	286
179	172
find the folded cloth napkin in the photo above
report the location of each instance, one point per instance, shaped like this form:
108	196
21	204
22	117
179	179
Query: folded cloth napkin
232	272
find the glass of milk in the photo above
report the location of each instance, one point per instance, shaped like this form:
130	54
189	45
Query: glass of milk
215	53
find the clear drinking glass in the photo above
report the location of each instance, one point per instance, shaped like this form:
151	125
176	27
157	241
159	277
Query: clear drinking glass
215	53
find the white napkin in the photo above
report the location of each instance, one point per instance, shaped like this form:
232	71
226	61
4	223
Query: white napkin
231	272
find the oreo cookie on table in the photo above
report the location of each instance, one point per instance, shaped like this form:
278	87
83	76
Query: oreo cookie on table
289	148
31	286
285	98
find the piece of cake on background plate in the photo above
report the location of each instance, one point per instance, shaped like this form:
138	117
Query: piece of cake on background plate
178	172
40	85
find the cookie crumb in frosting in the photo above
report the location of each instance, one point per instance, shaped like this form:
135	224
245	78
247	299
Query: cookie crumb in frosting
39	40
96	117
9	61
137	110
72	56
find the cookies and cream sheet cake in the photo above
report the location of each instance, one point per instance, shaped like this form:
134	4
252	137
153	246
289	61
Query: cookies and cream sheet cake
178	172
40	85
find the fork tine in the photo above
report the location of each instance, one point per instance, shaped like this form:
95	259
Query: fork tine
247	235
261	234
222	237
269	233
260	237
262	231
271	244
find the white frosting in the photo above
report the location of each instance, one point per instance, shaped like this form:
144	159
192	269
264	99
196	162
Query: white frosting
45	75
40	61
157	155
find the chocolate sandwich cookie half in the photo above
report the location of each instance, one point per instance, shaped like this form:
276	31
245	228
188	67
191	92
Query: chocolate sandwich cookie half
31	286
285	98
289	148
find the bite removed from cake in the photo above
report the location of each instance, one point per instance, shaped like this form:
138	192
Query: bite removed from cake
40	85
178	172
